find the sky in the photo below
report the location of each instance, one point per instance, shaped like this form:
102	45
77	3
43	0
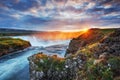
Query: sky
59	14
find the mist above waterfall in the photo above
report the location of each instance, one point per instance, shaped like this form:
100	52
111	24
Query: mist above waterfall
57	35
49	38
37	41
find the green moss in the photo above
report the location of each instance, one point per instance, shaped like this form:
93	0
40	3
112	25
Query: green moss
10	45
96	72
88	50
108	71
114	59
107	31
114	63
45	62
101	71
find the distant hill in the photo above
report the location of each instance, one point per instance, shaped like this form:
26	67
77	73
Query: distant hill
46	35
6	30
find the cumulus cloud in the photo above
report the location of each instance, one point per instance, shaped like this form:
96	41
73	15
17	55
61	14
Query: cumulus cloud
60	14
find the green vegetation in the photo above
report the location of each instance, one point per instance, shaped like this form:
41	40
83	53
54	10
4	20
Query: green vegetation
88	50
114	63
45	62
107	70
107	31
8	45
53	67
101	71
96	72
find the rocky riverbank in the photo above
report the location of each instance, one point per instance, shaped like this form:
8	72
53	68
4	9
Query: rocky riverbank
44	67
9	45
95	57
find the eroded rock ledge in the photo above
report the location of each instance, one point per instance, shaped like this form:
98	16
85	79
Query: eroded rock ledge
9	45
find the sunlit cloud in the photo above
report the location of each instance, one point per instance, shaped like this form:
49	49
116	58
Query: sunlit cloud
59	14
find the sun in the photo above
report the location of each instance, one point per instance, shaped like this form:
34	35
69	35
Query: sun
85	30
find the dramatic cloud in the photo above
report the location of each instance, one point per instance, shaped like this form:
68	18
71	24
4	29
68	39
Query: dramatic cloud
59	14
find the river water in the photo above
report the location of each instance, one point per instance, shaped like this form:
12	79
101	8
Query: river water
16	66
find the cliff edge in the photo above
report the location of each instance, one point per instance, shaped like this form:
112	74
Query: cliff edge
9	45
91	36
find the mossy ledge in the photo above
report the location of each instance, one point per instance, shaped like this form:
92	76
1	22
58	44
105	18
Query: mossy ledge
44	67
9	45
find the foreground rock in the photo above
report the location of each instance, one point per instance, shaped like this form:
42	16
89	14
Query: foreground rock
103	58
43	67
9	45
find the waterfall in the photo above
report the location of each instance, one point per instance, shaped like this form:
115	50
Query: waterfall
37	41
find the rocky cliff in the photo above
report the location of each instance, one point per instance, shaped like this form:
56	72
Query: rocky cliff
110	44
102	55
43	67
89	37
9	45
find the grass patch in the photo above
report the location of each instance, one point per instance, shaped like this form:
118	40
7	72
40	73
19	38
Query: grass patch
45	62
8	45
88	50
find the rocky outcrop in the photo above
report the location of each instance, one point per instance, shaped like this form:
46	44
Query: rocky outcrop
110	44
102	59
9	45
107	54
43	67
89	37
